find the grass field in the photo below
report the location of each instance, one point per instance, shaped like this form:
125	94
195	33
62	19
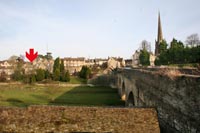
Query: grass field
73	80
22	95
77	80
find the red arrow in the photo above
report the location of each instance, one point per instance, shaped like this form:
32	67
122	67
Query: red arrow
31	56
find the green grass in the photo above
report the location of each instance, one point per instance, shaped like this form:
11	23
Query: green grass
73	80
77	80
25	95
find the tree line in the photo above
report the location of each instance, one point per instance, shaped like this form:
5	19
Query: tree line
176	52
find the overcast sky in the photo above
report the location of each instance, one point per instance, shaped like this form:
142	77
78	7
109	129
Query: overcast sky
92	28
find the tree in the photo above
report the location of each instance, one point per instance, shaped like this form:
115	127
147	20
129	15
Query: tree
32	79
18	70
62	67
163	46
144	57
26	79
85	72
2	76
17	75
145	45
29	79
56	69
56	75
162	59
65	77
47	74
178	54
176	44
56	64
40	74
193	40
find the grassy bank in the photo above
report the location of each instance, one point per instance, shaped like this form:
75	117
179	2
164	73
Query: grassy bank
24	95
77	80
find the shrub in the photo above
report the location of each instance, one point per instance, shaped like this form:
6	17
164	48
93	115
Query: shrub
65	76
56	75
29	79
32	79
40	74
85	72
2	77
171	73
17	75
47	74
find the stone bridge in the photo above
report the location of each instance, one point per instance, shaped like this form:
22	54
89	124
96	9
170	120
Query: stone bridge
176	98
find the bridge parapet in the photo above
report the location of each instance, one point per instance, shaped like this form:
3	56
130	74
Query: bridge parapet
176	98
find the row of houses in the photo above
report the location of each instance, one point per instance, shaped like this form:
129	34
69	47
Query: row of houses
6	68
73	65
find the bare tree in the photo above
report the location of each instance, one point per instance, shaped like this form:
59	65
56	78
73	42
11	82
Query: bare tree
145	45
193	40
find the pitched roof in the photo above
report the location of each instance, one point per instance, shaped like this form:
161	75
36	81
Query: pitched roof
74	59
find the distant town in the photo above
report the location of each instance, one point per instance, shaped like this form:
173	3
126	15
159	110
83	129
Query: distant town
73	65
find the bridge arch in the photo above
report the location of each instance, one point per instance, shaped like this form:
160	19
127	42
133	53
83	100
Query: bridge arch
123	91
130	101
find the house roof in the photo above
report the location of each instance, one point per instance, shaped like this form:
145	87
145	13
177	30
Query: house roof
100	59
128	60
74	59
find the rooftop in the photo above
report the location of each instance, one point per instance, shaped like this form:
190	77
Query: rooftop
74	59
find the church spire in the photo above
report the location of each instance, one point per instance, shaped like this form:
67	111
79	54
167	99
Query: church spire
160	36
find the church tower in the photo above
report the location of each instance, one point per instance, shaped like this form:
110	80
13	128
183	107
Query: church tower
160	36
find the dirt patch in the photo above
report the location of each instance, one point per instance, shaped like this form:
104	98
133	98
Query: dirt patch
78	119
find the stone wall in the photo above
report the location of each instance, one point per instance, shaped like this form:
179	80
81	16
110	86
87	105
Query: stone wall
176	99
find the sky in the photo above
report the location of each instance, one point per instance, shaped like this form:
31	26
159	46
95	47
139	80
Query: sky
92	28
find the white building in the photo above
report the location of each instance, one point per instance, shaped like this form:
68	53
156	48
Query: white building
135	59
